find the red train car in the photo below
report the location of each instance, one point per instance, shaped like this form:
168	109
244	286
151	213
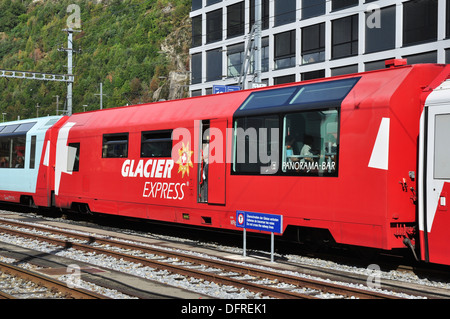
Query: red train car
364	157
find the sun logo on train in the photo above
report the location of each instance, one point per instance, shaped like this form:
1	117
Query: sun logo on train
184	162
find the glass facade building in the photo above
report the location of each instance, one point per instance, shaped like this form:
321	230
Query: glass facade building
307	39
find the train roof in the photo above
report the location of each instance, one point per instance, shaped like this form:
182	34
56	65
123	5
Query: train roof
34	126
379	86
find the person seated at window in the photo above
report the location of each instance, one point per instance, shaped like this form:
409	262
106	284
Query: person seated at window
306	152
19	163
292	145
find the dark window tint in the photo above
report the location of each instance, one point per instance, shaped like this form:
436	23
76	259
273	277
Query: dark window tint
311	143
342	4
235	57
32	151
196	75
285	11
380	30
419	21
12	151
313	75
115	145
312	8
235	19
214	65
214	26
74	160
264	14
156	144
256	145
196	4
285	50
313	43
345	37
196	31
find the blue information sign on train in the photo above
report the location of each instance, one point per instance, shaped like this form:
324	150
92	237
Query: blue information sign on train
259	221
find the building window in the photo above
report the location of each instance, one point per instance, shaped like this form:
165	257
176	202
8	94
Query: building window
115	145
419	21
264	17
427	57
265	54
284	79
376	65
197	31
156	144
285	11
317	74
447	20
345	37
196	65
235	59
342	4
285	50
348	69
214	26
313	43
196	93
196	4
311	143
214	65
382	36
312	8
210	2
235	19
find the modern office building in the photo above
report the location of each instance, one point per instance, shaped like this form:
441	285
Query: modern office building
307	39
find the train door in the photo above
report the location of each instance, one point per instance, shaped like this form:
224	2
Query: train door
434	210
211	176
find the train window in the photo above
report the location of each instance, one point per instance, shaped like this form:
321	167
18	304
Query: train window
115	145
33	152
75	160
323	92
297	98
10	129
156	144
12	151
268	98
441	150
25	127
256	145
310	143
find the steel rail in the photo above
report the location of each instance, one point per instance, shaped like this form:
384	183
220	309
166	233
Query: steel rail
285	278
49	283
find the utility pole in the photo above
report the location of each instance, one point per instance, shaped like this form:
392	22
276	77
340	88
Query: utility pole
101	96
253	50
57	104
258	42
70	51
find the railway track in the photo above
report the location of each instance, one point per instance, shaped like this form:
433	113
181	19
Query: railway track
265	283
17	282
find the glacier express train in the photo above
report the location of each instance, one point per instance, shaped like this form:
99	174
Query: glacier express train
364	157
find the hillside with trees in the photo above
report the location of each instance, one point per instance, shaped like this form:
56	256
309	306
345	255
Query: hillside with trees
134	47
